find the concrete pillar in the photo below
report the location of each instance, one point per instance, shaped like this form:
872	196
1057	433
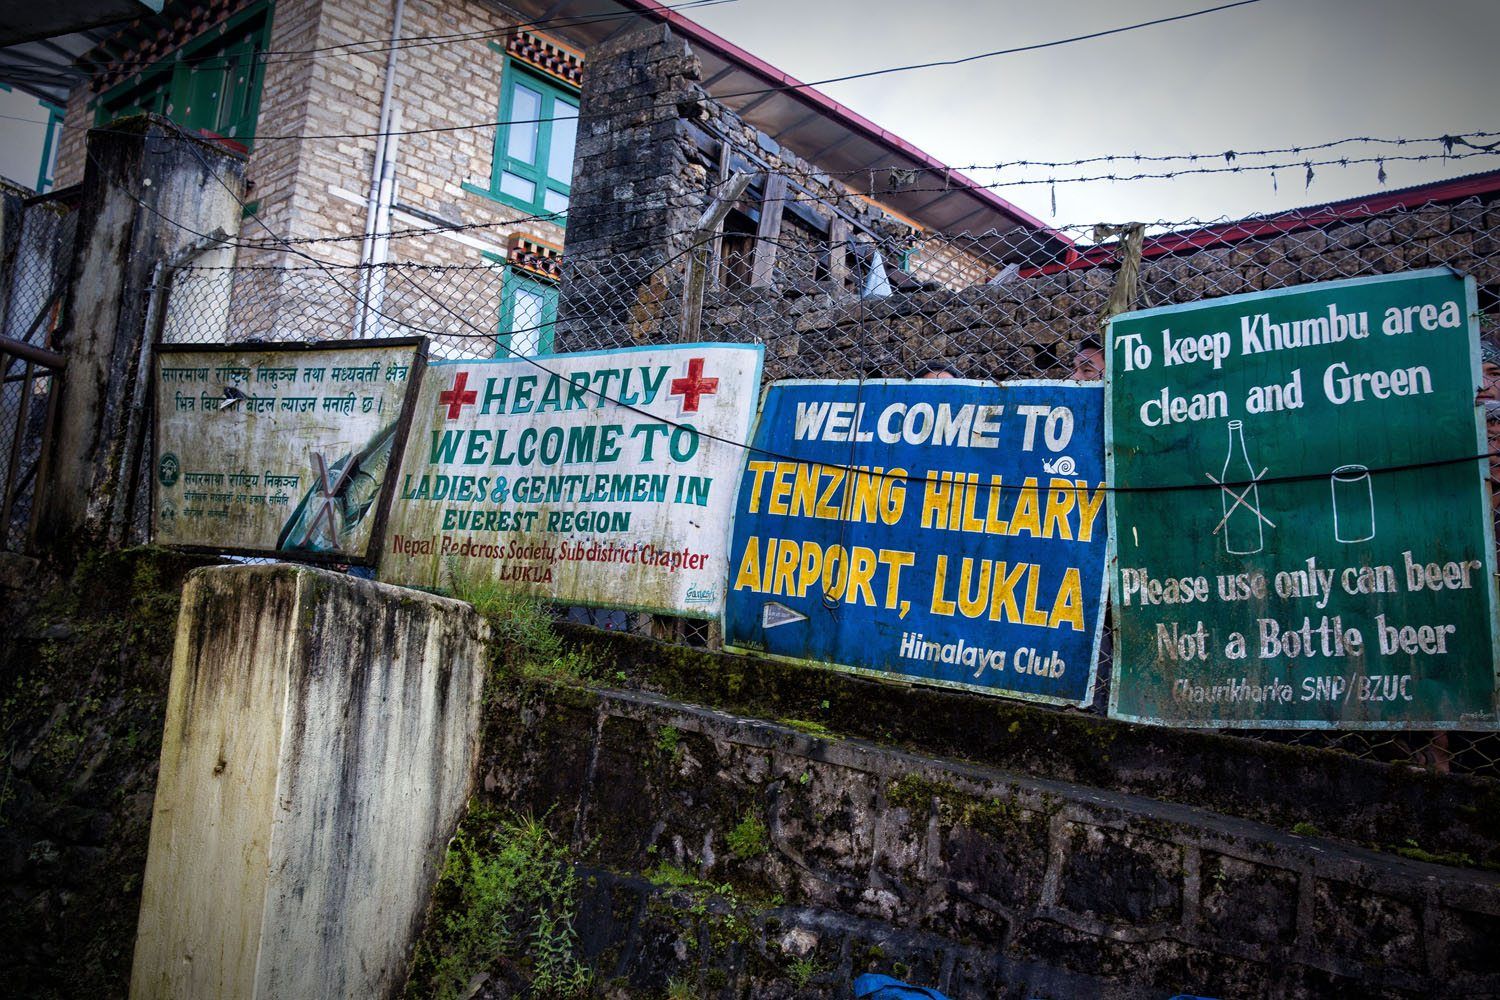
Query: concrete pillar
320	746
148	193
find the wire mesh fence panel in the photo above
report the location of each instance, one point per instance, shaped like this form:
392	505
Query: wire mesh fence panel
988	306
32	288
25	395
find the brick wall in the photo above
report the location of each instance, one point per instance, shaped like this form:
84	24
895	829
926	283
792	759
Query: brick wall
316	187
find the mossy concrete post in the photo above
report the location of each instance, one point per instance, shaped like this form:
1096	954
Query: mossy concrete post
149	193
320	747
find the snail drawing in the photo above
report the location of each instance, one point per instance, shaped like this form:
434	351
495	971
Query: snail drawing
1064	466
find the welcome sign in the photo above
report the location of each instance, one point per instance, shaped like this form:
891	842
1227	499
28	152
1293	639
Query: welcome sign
947	531
603	478
1303	529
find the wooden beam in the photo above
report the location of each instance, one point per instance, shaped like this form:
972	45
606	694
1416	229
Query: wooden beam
695	275
716	249
713	215
763	98
721	74
769	231
794	126
838	253
711	146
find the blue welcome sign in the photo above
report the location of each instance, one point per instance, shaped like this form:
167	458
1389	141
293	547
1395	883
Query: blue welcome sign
941	530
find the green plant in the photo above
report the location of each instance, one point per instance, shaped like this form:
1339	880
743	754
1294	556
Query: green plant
808	727
802	971
727	914
1306	829
669	741
523	642
506	888
681	989
517	622
749	838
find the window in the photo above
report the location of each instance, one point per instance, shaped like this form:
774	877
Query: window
532	167
528	311
48	171
28	154
212	84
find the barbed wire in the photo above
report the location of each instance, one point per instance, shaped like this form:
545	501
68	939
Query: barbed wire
1168	228
414	232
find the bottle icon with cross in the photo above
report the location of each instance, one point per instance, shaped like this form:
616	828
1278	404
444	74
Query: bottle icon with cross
1240	498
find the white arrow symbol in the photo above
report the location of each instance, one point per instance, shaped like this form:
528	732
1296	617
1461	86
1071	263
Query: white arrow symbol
773	614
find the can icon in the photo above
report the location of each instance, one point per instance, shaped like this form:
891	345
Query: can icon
1353	504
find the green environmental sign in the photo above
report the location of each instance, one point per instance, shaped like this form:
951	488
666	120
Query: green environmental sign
1302	531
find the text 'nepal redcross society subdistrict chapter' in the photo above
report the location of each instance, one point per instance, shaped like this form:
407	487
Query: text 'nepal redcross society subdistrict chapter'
1292	485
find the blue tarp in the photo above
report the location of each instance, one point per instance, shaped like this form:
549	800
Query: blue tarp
876	987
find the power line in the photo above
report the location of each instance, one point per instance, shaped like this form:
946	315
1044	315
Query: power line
1010	51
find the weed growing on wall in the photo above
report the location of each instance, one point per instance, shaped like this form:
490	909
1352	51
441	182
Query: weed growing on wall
507	897
802	971
748	839
523	642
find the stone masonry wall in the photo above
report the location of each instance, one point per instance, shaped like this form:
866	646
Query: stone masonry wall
637	205
1027	327
978	881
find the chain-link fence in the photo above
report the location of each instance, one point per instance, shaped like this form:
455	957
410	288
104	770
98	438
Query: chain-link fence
31	281
982	306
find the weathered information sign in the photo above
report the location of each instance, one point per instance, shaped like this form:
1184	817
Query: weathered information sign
1325	554
604	478
947	531
280	448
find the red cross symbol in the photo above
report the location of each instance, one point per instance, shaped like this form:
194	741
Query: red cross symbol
456	398
693	386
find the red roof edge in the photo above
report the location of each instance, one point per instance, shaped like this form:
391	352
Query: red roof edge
1290	221
821	102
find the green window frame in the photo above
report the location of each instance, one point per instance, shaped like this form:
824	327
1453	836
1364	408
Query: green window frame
50	138
534	152
212	84
46	174
528	313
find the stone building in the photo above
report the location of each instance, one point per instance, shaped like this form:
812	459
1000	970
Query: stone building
495	136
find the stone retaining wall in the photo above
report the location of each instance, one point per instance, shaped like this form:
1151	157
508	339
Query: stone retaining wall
980	881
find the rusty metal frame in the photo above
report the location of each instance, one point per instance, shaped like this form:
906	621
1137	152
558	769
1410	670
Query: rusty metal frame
53	364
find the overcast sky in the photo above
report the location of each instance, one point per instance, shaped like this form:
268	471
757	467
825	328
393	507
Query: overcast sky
1273	73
